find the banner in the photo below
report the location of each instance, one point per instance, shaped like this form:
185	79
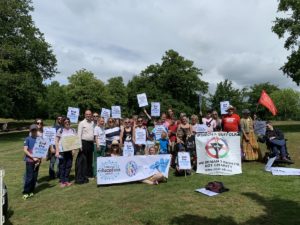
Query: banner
260	127
218	153
70	143
201	128
105	113
40	148
49	133
224	105
140	136
73	114
113	170
128	149
184	161
155	109
116	112
142	100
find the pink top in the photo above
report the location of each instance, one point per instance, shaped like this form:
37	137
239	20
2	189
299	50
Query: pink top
210	123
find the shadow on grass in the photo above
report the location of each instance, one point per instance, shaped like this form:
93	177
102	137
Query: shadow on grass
277	211
10	213
42	186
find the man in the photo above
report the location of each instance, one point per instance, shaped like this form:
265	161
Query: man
231	121
86	134
275	140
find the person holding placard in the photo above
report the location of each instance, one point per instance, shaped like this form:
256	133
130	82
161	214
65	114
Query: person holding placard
112	132
65	157
100	139
140	136
32	163
185	126
209	121
231	121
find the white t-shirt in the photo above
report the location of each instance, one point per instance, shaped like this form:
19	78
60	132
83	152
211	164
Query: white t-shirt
99	132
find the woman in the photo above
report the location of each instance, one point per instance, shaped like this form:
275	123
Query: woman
40	125
209	121
112	132
215	116
185	126
65	158
157	177
194	122
115	148
249	143
140	142
126	132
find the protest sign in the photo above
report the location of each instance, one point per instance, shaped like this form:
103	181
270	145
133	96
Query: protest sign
128	149
105	113
49	133
260	127
73	114
155	109
112	170
206	192
201	128
142	100
140	136
282	171
184	161
218	153
40	148
224	105
70	143
158	131
116	112
269	164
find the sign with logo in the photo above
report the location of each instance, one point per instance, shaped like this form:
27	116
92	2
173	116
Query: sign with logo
112	170
40	148
73	114
218	153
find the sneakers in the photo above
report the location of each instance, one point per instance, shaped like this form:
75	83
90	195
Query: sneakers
31	194
62	185
27	196
65	184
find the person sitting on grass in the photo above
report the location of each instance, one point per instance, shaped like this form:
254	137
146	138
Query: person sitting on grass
156	178
115	148
32	163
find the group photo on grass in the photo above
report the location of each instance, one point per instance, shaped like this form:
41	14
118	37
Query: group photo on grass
149	112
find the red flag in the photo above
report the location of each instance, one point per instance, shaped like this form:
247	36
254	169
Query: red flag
267	102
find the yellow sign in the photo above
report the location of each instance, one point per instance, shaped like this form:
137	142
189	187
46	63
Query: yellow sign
70	143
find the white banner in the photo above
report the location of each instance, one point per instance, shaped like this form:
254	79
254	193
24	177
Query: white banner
112	170
184	161
116	112
140	136
142	100
105	113
49	133
201	128
73	114
128	149
218	153
155	109
40	148
224	105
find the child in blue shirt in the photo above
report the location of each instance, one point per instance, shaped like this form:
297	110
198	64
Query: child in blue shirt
163	143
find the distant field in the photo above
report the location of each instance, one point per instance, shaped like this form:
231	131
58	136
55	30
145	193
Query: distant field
255	197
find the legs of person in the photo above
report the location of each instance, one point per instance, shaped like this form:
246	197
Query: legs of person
97	153
279	145
103	150
87	150
52	174
159	177
28	178
35	177
68	165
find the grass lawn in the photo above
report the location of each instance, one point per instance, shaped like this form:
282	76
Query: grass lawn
255	197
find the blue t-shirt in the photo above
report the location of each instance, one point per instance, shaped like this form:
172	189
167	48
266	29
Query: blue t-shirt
29	142
163	143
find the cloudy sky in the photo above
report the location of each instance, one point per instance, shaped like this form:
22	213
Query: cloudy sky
229	39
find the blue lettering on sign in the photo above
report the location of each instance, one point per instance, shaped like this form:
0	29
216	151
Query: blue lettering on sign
160	165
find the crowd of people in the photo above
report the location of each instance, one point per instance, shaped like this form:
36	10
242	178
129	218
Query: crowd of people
107	137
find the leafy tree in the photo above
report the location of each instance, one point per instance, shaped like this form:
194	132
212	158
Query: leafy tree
87	92
25	60
118	92
289	26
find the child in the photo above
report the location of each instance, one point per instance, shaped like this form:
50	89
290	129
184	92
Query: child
32	163
163	143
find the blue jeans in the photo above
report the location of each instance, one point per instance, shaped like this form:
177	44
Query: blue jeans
53	160
31	176
278	146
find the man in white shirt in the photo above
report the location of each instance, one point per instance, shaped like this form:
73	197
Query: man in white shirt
86	134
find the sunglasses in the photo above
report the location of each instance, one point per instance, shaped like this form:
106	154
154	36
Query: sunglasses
110	121
95	116
140	120
39	123
67	122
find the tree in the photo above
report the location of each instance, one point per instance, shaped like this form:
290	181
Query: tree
225	92
118	92
25	60
290	25
87	92
287	102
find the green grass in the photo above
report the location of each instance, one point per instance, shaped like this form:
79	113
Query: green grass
255	197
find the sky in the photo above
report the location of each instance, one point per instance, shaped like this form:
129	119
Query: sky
229	39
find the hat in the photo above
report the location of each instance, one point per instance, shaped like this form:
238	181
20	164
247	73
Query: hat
115	142
229	107
33	127
246	111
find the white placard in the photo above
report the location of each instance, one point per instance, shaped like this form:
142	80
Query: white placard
158	131
282	171
120	169
224	106
73	114
40	148
218	153
116	112
49	133
201	128
140	136
155	109
269	164
128	149
142	100
184	161
206	192
105	113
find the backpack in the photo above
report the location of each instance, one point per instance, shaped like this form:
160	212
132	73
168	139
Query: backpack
216	186
80	169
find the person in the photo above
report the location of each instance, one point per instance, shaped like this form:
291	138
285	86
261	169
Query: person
164	143
65	158
190	144
231	121
164	120
249	142
184	125
115	148
32	163
157	177
86	134
194	122
95	118
100	139
112	132
127	132
276	141
158	129
172	137
180	172
209	121
40	125
215	116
